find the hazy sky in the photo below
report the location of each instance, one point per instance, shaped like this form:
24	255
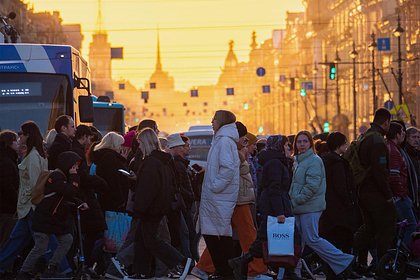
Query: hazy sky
194	34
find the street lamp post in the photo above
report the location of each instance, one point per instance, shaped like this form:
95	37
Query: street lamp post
372	46
324	66
315	72
397	33
353	55
337	93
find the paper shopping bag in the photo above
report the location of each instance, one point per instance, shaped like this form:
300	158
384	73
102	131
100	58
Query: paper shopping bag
280	237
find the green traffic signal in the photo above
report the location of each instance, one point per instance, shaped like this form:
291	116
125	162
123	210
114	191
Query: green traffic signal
333	71
326	127
302	92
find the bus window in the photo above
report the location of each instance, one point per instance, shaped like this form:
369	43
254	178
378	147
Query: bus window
29	96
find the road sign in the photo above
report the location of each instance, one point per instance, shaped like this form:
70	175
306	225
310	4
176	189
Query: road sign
389	104
307	85
401	112
384	44
260	72
266	89
230	91
194	93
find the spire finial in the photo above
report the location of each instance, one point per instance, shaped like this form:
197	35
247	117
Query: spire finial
99	22
158	62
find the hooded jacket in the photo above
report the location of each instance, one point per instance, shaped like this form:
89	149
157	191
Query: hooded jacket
9	183
107	164
53	214
221	183
307	192
274	199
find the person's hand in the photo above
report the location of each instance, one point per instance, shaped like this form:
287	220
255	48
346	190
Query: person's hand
73	169
132	176
83	206
124	152
281	219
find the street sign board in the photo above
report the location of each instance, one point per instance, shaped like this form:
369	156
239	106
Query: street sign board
384	44
389	104
266	89
307	85
260	72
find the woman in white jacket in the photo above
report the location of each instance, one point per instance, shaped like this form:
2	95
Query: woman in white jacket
220	192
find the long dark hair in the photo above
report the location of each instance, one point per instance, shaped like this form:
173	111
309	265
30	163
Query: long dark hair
35	139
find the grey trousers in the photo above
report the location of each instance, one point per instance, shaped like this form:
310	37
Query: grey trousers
307	225
41	245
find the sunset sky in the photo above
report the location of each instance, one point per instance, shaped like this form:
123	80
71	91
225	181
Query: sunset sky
194	34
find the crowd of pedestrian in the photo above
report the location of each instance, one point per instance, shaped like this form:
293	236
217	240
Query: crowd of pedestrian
341	217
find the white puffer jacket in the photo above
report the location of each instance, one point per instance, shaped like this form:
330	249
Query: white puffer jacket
221	183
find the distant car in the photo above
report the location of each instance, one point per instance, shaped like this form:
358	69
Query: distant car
200	127
200	141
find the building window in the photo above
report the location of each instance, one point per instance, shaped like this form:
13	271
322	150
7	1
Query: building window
205	104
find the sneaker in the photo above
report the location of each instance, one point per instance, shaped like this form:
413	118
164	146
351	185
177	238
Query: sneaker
119	266
115	270
260	277
174	274
184	268
51	272
199	273
136	276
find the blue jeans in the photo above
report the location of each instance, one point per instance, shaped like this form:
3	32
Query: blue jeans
307	225
21	236
405	212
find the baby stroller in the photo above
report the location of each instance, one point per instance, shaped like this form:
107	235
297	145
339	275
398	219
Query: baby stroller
403	261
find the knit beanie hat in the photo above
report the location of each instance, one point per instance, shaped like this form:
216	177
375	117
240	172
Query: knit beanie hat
241	129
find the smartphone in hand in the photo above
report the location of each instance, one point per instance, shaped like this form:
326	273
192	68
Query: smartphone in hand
124	172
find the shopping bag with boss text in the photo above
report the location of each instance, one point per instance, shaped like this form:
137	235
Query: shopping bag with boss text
280	237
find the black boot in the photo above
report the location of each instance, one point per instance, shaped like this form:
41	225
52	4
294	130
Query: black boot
239	266
51	272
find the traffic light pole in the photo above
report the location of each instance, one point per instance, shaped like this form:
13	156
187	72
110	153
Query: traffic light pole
326	88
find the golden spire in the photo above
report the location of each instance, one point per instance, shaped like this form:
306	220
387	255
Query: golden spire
158	62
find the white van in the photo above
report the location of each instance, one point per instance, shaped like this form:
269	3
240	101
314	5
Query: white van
200	141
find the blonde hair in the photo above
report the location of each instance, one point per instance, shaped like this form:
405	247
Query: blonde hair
111	140
149	140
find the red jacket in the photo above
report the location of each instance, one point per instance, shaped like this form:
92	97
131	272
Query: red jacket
397	171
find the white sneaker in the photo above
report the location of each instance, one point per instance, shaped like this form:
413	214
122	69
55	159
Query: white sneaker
199	273
260	277
119	266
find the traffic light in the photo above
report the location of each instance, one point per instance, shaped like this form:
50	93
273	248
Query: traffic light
246	106
326	127
303	92
333	71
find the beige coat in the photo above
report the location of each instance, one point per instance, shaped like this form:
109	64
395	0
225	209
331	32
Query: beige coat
29	170
246	193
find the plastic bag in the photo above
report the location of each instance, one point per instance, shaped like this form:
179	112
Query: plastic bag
280	236
118	226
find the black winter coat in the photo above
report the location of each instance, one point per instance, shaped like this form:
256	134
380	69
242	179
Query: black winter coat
9	181
181	167
93	219
276	177
53	215
107	164
342	209
155	193
373	154
61	144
